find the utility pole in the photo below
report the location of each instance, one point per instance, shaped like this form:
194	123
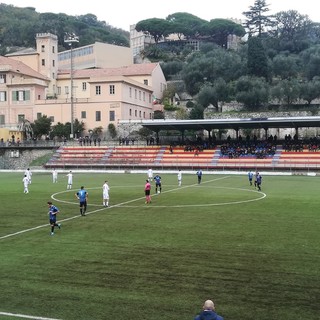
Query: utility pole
71	38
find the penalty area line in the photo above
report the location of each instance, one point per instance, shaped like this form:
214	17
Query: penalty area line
24	316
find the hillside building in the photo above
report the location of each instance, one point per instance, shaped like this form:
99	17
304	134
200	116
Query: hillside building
139	41
106	88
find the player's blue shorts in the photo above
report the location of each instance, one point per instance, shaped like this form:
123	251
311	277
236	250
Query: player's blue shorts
83	203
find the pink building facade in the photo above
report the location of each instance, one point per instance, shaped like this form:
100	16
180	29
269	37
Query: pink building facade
100	96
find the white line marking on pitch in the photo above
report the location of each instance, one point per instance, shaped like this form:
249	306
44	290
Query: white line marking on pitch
24	316
119	205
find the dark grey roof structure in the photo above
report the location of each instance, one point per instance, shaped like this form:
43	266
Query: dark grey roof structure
234	123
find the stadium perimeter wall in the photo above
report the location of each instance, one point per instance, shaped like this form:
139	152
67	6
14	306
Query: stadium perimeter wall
193	172
14	158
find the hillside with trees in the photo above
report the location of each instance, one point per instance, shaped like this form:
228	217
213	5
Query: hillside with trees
18	27
276	64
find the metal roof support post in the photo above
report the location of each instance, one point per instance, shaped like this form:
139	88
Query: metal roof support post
237	133
182	136
297	132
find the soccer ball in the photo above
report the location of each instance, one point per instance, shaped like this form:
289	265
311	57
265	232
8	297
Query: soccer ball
158	191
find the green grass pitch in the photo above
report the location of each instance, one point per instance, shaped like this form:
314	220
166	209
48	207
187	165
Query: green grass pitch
257	255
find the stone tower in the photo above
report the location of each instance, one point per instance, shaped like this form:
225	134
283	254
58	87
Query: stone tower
47	49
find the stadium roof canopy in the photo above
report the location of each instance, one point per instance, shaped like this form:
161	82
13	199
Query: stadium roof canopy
233	123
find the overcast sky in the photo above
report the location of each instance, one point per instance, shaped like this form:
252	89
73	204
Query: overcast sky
123	13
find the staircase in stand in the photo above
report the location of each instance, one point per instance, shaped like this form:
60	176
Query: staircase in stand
216	157
160	155
276	156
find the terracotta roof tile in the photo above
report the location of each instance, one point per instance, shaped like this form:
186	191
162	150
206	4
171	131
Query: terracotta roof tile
132	70
11	65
